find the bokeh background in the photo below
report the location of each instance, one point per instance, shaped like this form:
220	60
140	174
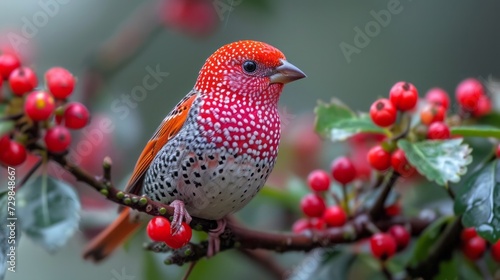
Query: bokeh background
109	45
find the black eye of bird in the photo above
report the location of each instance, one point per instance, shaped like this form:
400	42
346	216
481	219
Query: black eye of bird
249	66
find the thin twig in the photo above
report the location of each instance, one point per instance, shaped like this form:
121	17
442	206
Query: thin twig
407	119
30	173
14	117
378	207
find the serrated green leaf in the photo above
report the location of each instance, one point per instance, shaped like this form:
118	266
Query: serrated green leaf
476	131
479	202
441	161
337	122
427	240
49	212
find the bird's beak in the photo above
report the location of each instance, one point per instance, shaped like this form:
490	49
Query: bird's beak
286	73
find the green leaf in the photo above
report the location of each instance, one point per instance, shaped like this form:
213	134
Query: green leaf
337	265
448	270
441	161
492	119
48	211
476	131
337	122
428	239
479	202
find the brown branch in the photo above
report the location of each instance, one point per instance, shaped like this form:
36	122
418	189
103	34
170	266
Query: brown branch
235	235
245	238
139	203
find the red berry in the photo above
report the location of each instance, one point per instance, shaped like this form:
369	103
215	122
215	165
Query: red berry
383	246
495	251
404	96
318	180
483	107
300	225
76	115
400	163
335	216
468	233
383	113
60	82
438	131
468	93
4	142
312	205
14	153
474	248
497	151
343	170
379	158
401	236
8	62
439	97
393	210
158	229
432	113
57	139
39	105
22	80
181	237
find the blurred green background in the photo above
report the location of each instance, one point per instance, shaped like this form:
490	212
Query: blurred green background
428	43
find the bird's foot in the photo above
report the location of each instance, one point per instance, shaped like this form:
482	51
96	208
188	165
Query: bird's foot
180	214
213	238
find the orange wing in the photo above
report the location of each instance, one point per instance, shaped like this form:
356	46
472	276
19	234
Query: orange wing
169	127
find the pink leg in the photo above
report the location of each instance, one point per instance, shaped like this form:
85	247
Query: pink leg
213	238
180	214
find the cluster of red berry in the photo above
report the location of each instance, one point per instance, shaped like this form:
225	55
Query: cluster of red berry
159	230
319	216
403	97
474	246
40	107
313	205
385	245
384	155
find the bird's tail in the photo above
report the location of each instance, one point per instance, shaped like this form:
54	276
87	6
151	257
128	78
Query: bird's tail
111	238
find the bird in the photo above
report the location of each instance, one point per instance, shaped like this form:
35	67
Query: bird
215	150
